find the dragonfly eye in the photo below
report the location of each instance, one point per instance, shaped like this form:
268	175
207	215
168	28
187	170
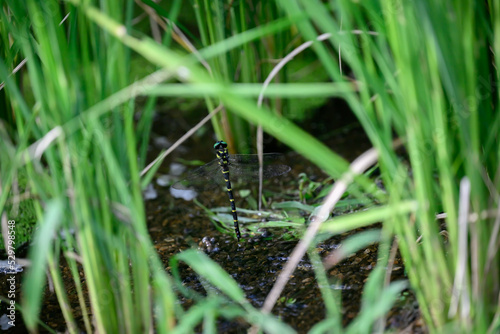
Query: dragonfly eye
220	145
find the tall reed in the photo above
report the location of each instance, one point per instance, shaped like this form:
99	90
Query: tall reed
83	179
425	72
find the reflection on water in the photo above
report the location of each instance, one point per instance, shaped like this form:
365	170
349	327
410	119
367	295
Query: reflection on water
186	194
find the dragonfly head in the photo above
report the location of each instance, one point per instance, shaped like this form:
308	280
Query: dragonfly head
220	145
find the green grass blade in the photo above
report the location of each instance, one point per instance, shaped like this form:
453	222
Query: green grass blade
213	273
34	281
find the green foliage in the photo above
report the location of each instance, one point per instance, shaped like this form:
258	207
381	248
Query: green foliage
424	72
218	22
23	210
419	76
87	166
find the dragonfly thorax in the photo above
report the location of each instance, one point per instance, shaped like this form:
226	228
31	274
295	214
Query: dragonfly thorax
221	151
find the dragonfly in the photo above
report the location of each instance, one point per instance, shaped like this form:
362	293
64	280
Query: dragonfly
241	167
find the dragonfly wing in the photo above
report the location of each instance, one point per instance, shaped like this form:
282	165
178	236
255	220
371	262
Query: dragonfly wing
246	167
253	159
242	167
205	177
251	174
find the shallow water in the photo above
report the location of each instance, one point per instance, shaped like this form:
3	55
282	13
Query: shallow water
256	261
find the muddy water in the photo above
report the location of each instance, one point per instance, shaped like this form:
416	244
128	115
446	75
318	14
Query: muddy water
256	261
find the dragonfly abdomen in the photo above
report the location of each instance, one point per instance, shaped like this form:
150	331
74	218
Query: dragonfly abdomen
223	157
229	189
